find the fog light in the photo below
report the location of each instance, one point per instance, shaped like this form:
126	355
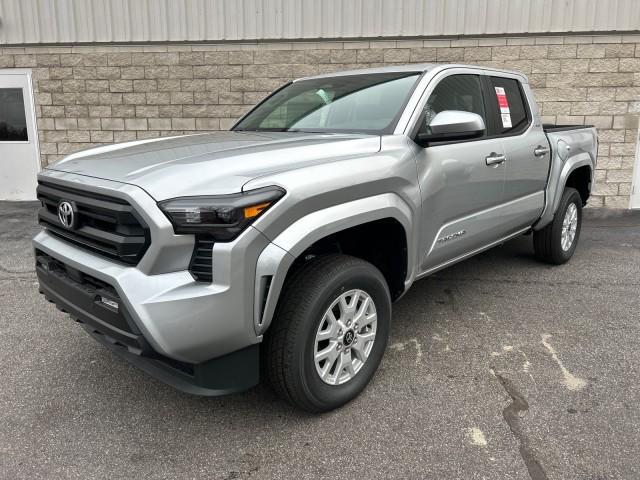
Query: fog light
108	302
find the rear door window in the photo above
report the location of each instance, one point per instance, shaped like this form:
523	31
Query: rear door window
509	106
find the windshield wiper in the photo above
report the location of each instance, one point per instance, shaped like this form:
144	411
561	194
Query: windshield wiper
302	130
260	130
293	130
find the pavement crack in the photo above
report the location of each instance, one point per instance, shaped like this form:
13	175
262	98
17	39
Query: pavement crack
511	415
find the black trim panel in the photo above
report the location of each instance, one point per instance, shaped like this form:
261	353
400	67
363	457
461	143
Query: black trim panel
552	127
201	266
79	295
232	373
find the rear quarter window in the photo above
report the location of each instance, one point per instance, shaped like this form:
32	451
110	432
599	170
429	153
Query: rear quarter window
509	106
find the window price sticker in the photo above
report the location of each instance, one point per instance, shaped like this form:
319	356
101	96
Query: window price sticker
503	103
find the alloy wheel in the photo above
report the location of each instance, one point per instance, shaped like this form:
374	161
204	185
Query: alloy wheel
345	337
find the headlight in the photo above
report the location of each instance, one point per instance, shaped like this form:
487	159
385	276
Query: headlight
222	216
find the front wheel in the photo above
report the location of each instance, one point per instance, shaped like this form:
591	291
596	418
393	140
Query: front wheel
329	333
557	242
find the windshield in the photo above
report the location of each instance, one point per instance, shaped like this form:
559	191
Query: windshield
366	103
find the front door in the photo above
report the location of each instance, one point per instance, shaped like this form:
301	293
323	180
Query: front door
19	157
461	182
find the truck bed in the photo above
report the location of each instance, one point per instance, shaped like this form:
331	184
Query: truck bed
571	146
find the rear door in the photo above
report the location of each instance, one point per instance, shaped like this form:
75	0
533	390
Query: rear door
525	146
19	158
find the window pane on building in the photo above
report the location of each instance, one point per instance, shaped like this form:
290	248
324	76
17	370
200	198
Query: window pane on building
13	122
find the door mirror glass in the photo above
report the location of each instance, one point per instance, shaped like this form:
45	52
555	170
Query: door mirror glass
453	125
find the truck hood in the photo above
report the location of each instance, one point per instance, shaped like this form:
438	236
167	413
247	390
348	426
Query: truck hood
213	163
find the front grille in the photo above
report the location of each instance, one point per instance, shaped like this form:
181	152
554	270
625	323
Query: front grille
105	225
201	260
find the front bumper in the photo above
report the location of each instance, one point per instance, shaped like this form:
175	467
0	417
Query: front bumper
92	303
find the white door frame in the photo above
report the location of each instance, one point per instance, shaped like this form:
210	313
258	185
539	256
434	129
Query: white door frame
30	112
634	201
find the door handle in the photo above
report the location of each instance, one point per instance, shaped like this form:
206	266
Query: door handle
540	151
494	159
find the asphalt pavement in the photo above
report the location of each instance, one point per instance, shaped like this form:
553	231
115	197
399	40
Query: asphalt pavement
499	367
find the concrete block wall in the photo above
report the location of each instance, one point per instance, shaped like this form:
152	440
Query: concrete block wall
94	95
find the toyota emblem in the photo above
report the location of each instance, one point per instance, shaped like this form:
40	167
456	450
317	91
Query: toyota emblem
348	338
66	214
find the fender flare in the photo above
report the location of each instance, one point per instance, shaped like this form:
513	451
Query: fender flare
557	182
276	259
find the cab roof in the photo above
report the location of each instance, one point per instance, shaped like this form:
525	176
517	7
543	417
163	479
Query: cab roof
418	68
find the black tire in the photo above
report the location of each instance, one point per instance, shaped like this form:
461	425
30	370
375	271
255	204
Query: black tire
547	242
288	346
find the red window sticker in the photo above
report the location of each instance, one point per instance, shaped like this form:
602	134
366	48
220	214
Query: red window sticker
502	100
503	103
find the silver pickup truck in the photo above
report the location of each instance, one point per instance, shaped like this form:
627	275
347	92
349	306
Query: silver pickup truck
277	248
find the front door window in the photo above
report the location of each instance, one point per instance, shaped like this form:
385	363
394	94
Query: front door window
456	92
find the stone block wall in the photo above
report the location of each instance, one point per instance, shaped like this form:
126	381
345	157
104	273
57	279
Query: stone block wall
94	95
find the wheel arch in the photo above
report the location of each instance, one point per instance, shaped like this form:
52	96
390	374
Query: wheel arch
576	172
387	213
580	178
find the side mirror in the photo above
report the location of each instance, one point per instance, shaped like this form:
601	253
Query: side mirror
453	125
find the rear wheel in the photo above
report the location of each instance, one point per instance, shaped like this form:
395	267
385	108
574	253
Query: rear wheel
329	333
557	242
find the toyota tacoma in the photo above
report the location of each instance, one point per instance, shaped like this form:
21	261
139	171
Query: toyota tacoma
275	250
